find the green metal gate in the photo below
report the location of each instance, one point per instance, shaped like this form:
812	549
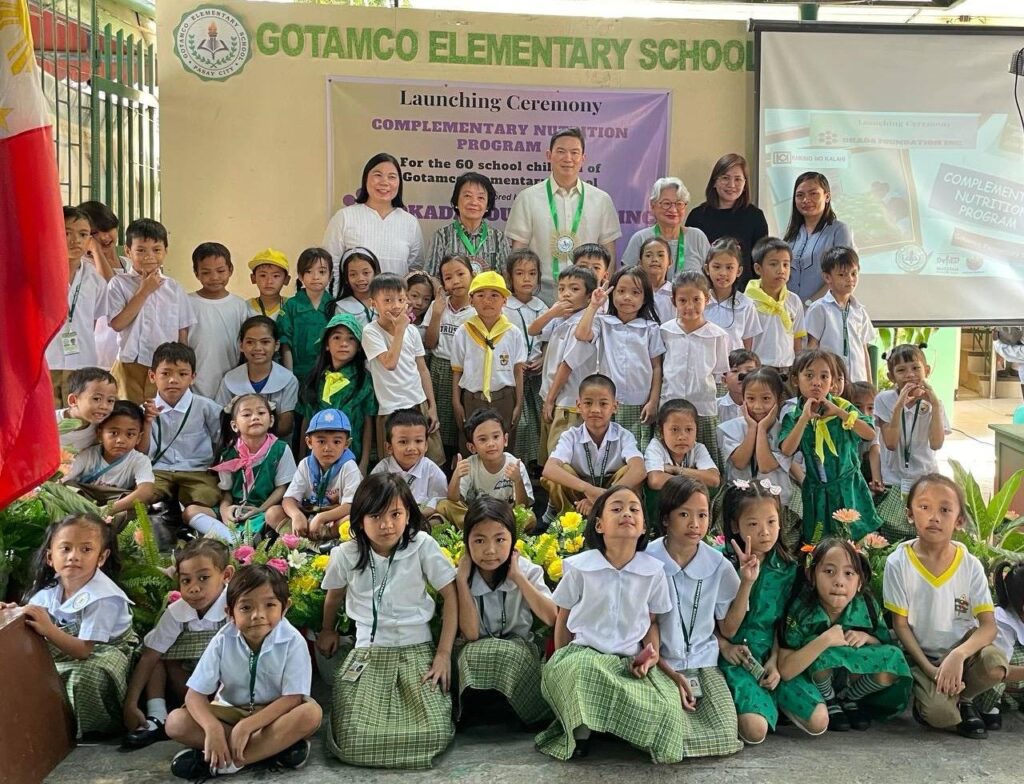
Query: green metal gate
101	85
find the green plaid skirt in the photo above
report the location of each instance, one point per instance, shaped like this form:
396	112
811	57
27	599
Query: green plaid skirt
388	718
189	646
711	731
511	667
629	418
528	430
96	687
1009	692
441	378
596	690
892	509
707	434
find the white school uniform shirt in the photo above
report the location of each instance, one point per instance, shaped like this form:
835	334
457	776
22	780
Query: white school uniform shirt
555	335
165	311
396	239
425	479
617	448
405	609
710	573
106	338
582	361
180	616
87	296
940	609
363	314
100	608
523	314
284	472
625	353
774	345
729	408
133	469
502	611
610	609
214	338
657	456
922	459
663	304
1009	631
340	491
451	320
730	436
191	447
737	316
281	387
824	322
468	356
693	360
401	387
283	667
76	439
480	481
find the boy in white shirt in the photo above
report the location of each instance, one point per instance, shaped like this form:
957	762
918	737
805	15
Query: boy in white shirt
74	346
838	322
591	457
395	357
782	313
219	316
92	393
942	612
489	471
741	362
488	357
146	308
406	432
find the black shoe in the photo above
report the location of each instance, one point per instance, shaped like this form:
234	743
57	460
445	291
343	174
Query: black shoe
859	720
917	714
295	756
139	739
971	725
189	764
837	719
993	721
582	748
324	548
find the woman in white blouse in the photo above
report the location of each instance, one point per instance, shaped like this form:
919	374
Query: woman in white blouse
378	221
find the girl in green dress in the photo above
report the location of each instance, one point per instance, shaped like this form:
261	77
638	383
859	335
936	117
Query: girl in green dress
834	637
749	657
828	431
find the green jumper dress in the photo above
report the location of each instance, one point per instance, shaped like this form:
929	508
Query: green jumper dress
356	400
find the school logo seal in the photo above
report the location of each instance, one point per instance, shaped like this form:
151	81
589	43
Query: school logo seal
212	43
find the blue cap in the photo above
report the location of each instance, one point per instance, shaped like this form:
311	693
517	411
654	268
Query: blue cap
328	419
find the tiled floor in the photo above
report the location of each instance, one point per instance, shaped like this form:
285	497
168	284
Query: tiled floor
971	442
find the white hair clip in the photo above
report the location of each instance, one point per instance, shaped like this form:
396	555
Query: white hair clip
741	484
773	489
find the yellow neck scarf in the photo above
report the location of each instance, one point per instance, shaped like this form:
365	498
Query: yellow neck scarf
769	305
822	437
486	339
334	381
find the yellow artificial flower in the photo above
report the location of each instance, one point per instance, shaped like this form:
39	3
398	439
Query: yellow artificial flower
321	561
519	546
448	555
345	530
570	522
574	545
546	549
555	570
303	584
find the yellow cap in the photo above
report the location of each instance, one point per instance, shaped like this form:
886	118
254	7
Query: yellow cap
489	280
269	256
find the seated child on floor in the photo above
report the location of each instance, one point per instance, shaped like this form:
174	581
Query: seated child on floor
488	471
406	434
172	649
1008	582
248	698
675	450
592	456
91	397
500	594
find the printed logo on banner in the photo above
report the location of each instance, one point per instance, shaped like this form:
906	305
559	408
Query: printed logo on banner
212	43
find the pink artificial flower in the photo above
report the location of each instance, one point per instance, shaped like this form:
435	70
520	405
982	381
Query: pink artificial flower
279	564
720	539
291	541
244	554
173	596
848	516
875	542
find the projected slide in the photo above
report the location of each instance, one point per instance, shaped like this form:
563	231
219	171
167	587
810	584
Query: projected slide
920	139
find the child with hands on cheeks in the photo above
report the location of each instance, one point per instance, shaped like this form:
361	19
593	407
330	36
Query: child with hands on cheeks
500	595
604	676
248	697
387	710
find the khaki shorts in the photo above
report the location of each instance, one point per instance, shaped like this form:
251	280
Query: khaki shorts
61	389
941	710
133	381
562	499
189	487
562	419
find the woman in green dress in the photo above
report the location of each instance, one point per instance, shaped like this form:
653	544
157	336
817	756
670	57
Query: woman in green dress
833	637
828	430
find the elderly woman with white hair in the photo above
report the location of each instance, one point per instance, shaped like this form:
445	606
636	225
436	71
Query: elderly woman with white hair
689	246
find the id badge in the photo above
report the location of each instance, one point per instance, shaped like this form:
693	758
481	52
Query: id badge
356	666
694	681
69	343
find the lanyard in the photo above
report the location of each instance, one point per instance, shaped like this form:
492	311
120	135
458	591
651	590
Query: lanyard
254	658
846	333
529	340
159	431
259	302
483	616
680	246
472	248
376	594
908	437
597	482
78	290
91	477
693	614
554	217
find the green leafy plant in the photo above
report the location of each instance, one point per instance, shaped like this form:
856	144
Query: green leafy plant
890	337
992	532
22	530
145	573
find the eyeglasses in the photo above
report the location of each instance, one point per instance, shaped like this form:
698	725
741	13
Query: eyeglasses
725	179
672	205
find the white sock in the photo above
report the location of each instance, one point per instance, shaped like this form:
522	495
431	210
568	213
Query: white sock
993	712
232	768
157	709
212	527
